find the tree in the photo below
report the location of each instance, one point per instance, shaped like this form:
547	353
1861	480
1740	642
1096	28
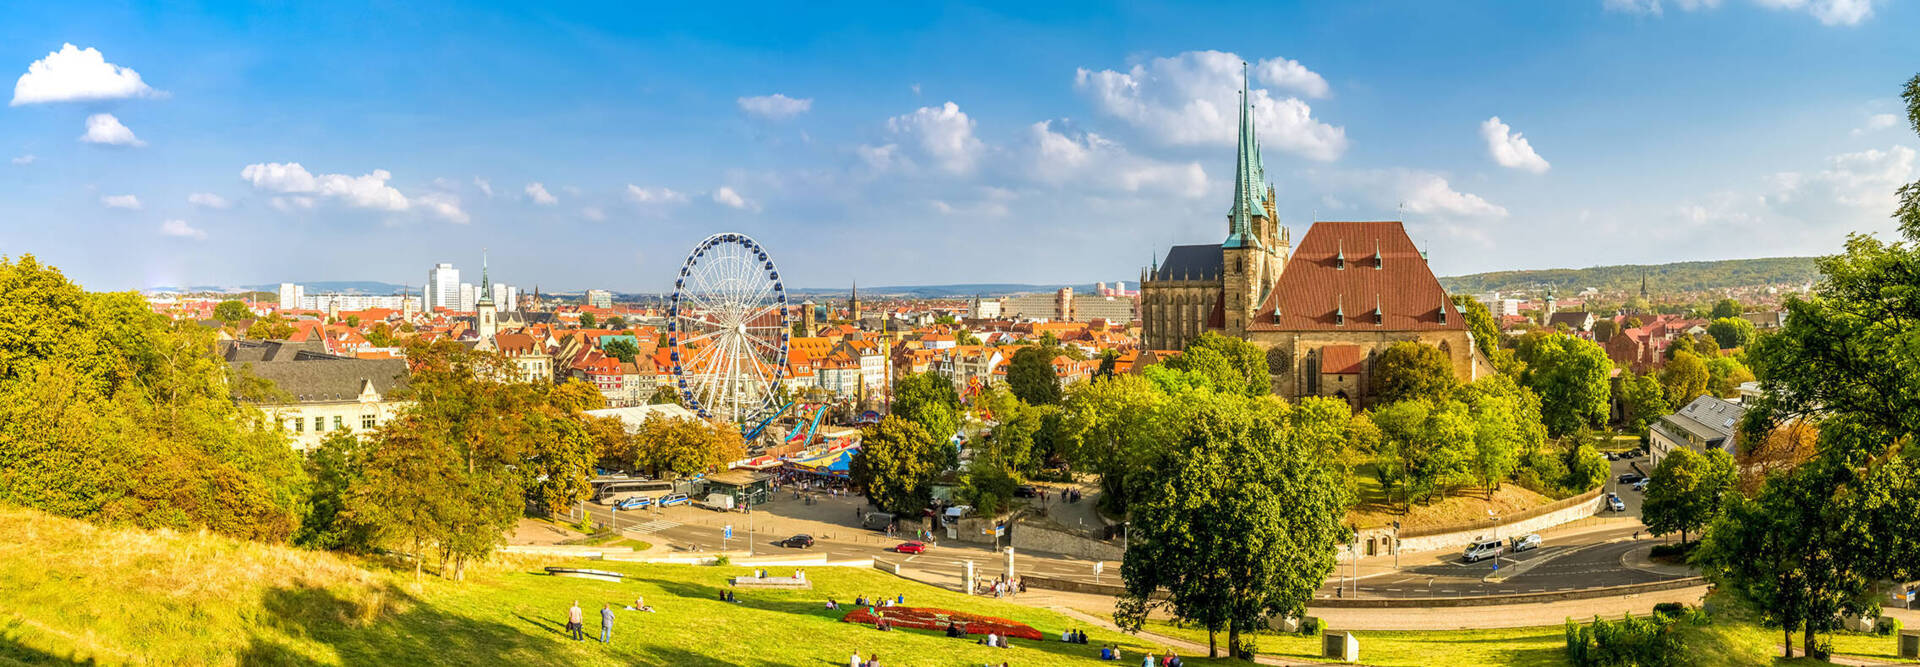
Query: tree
1031	376
1643	400
944	318
1725	375
1241	525
1725	308
685	447
621	348
1731	331
1506	419
1424	446
1571	376
575	395
334	468
1586	468
406	483
1109	428
965	337
663	395
1604	330
1233	365
1686	491
586	320
1410	370
1684	379
231	311
894	466
987	485
561	461
929	400
616	323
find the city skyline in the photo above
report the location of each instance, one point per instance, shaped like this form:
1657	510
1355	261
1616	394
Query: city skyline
592	150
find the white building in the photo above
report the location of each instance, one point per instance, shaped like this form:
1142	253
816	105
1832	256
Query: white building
443	287
1499	307
599	298
290	296
506	297
330	302
469	296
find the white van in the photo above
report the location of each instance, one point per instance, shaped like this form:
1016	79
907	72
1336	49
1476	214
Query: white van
1484	548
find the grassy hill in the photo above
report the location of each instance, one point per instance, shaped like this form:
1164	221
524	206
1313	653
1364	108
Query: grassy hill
73	592
1661	278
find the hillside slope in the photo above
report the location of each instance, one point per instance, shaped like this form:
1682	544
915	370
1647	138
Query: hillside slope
73	592
1661	278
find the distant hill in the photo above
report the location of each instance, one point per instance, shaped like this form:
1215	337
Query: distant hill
327	287
947	291
1676	277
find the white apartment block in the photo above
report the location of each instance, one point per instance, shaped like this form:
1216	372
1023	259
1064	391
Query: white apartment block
599	298
443	287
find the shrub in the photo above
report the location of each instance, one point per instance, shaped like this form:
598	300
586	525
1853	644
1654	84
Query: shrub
722	561
1673	550
1309	625
1668	609
1648	642
1887	625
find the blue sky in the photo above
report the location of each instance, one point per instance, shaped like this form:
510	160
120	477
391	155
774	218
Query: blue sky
896	143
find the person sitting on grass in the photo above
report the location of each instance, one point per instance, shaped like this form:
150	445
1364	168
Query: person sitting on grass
832	605
640	604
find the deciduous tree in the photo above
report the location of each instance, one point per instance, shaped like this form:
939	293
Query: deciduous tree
1410	370
1731	331
894	466
1570	375
1031	376
1687	491
231	311
1684	379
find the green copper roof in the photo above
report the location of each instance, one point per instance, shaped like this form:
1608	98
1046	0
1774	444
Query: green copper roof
1248	175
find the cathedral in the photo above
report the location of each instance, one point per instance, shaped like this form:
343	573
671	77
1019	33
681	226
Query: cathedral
1323	311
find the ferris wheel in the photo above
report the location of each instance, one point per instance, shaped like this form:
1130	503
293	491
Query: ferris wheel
727	330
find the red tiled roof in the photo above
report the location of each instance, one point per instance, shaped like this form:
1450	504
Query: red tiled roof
1313	286
1340	359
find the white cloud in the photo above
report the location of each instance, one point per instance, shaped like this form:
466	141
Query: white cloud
1090	160
1509	148
208	200
775	106
1876	122
879	158
943	133
540	195
725	196
103	128
1427	193
446	205
128	202
486	188
73	74
1290	74
367	191
1653	7
1193	99
1865	180
655	195
593	213
25	159
180	228
1828	12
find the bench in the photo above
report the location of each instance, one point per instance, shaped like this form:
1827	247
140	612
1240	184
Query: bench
789	583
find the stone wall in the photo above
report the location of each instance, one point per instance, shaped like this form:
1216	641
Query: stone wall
1378	541
1028	536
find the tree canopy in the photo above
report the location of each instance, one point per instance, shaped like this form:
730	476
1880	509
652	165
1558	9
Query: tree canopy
895	466
620	348
1410	370
1571	376
1031	376
231	311
1731	331
1232	365
1686	491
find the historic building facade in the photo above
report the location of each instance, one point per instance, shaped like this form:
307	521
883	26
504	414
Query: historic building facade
1324	311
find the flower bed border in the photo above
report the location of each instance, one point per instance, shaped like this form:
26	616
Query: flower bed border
933	618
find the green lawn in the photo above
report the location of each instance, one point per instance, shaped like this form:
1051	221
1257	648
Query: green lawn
615	540
1876	647
1512	646
70	591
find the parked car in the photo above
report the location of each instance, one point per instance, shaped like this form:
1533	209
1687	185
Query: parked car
1630	477
1482	549
1641	485
798	542
1025	491
634	503
910	548
1524	543
673	499
1615	503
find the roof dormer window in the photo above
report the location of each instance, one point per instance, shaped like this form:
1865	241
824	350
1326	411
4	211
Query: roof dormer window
1379	261
1339	313
1340	257
1379	316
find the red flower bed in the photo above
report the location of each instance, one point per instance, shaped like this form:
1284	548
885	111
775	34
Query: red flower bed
928	618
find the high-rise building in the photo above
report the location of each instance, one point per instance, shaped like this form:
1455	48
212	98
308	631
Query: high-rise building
290	295
468	296
443	287
599	298
506	297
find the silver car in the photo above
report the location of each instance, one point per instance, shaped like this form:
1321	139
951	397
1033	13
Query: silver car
1524	543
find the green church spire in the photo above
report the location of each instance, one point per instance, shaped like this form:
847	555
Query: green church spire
1247	177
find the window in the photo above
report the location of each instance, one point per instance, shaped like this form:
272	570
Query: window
367	422
337	425
299	424
319	424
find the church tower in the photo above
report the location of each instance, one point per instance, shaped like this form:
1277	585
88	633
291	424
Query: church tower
853	304
485	319
1255	250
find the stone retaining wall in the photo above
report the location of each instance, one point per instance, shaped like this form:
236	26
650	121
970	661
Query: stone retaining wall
1033	537
1379	541
1115	589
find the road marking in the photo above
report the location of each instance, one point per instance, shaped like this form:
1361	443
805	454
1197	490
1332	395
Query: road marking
652	527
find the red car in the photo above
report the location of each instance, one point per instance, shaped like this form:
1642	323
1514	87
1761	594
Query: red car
910	548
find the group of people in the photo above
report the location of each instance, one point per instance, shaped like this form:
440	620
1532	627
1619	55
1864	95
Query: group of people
726	595
576	624
871	661
1073	636
1002	586
864	601
997	640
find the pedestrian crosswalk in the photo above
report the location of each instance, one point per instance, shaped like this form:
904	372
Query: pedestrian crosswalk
652	527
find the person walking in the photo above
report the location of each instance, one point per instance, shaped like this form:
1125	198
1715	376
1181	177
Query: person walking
573	620
855	660
606	623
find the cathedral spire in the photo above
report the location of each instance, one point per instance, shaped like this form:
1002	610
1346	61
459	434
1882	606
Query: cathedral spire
486	284
1246	176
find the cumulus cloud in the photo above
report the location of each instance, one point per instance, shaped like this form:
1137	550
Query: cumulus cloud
1864	180
25	159
1654	7
879	158
775	106
73	74
655	195
1875	123
128	202
208	200
1428	193
366	191
486	188
725	196
1509	148
181	229
1828	12
1061	157
103	128
943	133
444	205
1193	99
540	195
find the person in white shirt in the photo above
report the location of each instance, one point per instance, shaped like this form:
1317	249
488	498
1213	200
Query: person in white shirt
855	660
